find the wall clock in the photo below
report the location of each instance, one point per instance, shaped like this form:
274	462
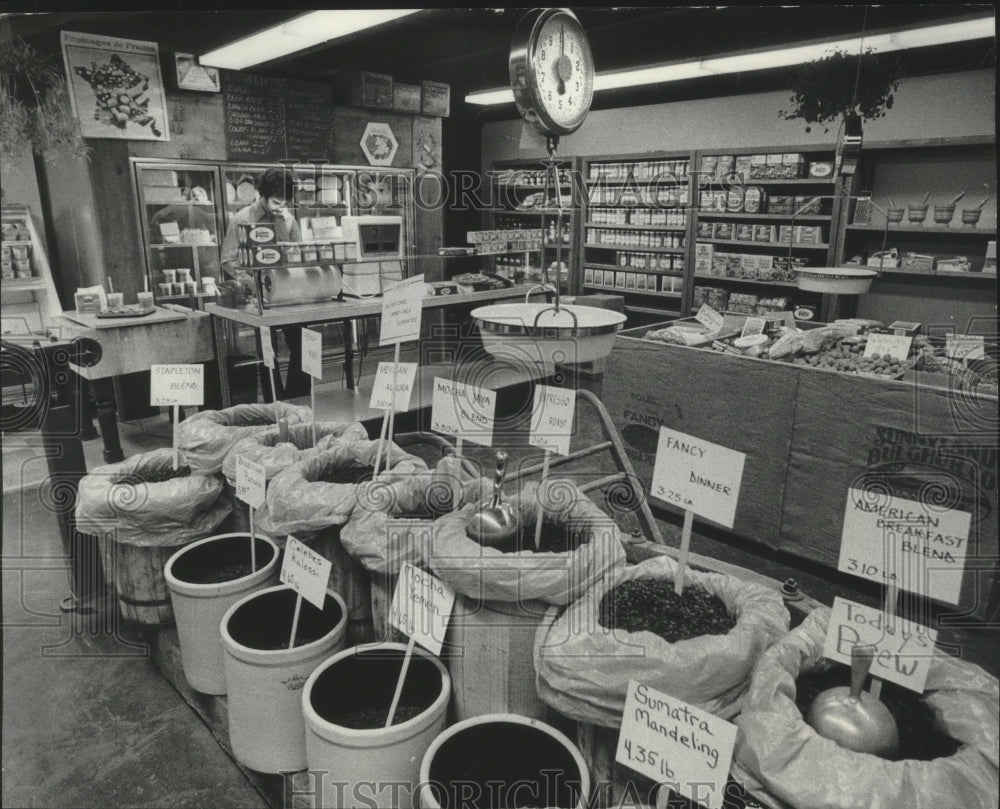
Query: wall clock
552	71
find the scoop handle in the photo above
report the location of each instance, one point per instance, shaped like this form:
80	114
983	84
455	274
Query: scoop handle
498	478
861	663
282	431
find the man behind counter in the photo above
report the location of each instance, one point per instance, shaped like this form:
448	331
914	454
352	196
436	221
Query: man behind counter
271	207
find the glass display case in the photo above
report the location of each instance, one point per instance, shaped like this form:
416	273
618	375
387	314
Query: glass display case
181	224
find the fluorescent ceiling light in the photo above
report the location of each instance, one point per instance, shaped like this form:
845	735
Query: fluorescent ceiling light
942	34
297	34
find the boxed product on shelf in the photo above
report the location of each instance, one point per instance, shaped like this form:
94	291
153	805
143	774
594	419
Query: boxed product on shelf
808	234
773	166
708	164
705	230
712	200
724	166
765	305
886	258
758	167
807	205
703	258
917	263
588	275
764	233
781	204
821	169
755	199
722	230
742	166
785	234
734	200
793	165
744	232
720	262
742	303
640	281
956	264
718	299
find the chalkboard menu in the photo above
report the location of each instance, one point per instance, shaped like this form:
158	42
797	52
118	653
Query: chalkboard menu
255	116
270	119
308	120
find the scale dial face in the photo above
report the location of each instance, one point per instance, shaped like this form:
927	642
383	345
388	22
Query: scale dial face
552	71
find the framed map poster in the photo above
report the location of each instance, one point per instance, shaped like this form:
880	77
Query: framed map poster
115	87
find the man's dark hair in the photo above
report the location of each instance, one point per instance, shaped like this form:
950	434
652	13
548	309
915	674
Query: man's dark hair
276	182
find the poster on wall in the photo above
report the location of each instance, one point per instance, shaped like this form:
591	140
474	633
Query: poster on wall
115	87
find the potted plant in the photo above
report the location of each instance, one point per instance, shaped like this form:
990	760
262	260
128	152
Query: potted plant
844	86
35	110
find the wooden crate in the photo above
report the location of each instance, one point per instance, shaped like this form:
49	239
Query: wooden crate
809	435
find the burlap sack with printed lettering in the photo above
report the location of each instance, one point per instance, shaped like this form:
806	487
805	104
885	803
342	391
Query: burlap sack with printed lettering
554	577
422	496
207	437
583	668
783	760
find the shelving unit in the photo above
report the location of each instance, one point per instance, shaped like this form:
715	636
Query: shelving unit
792	221
636	231
905	176
514	183
27	291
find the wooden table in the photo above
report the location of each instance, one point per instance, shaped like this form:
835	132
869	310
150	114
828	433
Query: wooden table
131	345
346	311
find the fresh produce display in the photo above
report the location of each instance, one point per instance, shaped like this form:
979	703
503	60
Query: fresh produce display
652	605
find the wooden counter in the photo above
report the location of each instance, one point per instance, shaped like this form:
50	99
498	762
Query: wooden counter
809	435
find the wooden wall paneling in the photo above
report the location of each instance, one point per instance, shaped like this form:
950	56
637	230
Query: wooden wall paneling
197	129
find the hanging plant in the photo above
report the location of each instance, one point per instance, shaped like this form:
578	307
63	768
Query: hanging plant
35	109
836	87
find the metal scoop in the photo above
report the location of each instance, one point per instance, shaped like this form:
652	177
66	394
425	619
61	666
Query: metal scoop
853	718
496	523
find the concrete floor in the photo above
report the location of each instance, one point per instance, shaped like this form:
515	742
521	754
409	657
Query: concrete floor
88	721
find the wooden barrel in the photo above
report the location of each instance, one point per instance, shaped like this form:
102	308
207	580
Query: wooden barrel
137	572
612	783
490	658
350	580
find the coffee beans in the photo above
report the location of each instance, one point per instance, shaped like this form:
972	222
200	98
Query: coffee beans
350	475
137	478
652	605
367	718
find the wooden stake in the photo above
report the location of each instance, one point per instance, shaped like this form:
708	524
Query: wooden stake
541	511
682	560
274	393
456	483
312	403
399	683
295	620
392	403
381	441
253	544
176	439
889	610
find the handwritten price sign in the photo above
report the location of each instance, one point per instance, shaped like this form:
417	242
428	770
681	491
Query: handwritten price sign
463	410
916	546
552	419
312	353
382	398
676	744
698	476
267	347
402	307
306	571
251	482
182	385
421	607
